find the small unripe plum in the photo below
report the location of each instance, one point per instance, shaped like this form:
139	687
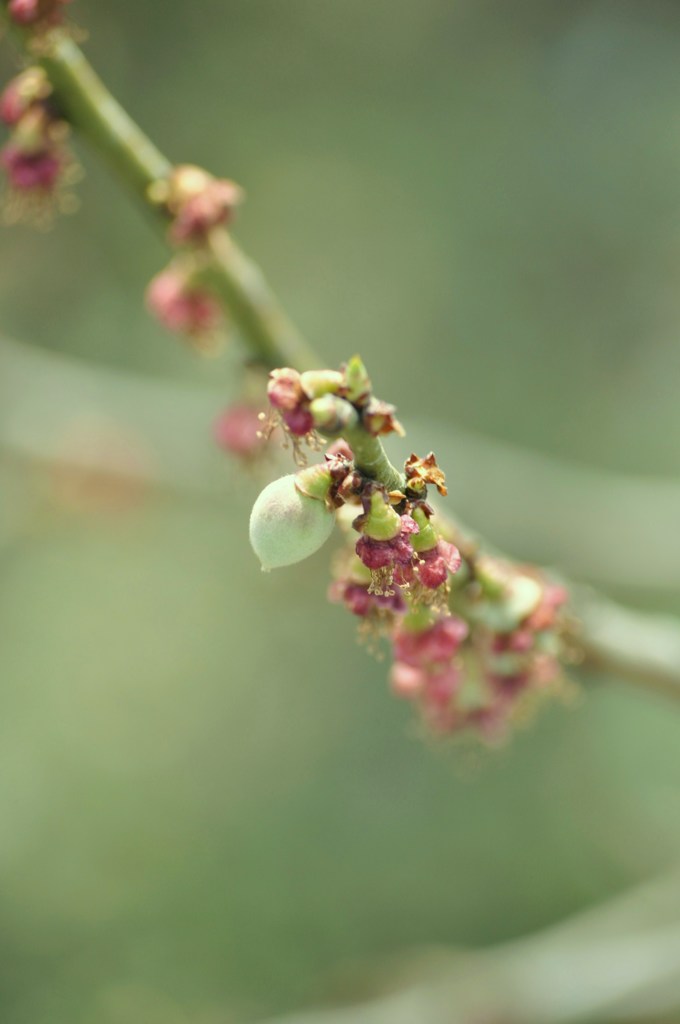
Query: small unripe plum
287	526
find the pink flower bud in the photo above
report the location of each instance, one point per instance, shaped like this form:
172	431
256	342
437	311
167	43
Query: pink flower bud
341	449
237	431
381	554
12	104
284	389
298	421
436	643
520	641
181	306
359	600
545	615
436	563
31	172
442	685
24	12
22	93
31	12
208	206
406	680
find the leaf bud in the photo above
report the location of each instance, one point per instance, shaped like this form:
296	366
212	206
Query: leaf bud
321	382
357	387
332	415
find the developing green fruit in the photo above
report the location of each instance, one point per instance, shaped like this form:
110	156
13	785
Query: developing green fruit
287	526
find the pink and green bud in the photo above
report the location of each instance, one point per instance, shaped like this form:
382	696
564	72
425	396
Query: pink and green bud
299	422
36	12
23	92
523	598
379	521
287	526
33	132
35	171
237	431
441	686
333	415
197	202
423	641
362	602
284	389
437	559
407	681
385	554
546	614
40	167
340	449
183	306
316	383
436	564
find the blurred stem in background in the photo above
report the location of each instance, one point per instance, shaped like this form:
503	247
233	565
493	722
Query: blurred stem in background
607	639
620	961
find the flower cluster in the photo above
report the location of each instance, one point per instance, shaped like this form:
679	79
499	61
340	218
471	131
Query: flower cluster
518	618
36	159
472	658
196	203
426	666
474	639
330	402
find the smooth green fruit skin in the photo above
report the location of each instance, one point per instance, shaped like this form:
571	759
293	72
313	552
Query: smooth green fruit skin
287	526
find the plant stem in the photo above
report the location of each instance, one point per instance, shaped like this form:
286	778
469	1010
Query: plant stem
96	114
91	109
371	459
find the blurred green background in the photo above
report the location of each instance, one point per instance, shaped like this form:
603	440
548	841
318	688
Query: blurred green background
211	807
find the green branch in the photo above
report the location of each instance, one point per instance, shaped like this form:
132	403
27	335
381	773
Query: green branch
98	117
371	459
87	104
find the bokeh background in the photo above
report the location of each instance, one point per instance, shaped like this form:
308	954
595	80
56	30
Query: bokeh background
211	809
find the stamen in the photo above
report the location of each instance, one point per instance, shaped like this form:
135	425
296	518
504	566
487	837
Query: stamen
381	581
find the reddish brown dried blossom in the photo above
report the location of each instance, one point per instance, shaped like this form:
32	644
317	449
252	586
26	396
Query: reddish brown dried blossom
378	417
421	472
